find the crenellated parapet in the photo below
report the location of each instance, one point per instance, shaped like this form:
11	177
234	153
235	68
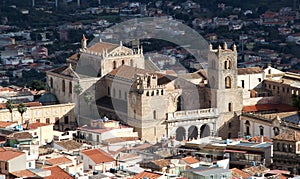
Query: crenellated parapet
223	49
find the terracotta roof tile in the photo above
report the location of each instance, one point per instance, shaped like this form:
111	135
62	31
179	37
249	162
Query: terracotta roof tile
4	124
162	162
69	144
146	174
59	160
190	160
251	70
23	173
6	155
57	173
256	169
260	139
37	124
127	72
20	135
102	46
268	107
237	173
288	135
98	155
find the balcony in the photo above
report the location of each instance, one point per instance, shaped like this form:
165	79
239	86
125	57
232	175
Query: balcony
192	114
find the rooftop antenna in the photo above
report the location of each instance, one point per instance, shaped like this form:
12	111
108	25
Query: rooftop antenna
33	3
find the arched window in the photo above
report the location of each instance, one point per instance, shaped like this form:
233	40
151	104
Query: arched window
157	92
70	87
229	107
123	62
51	82
154	114
114	92
261	130
162	92
63	85
120	95
227	82
152	93
247	125
227	64
125	95
114	64
147	93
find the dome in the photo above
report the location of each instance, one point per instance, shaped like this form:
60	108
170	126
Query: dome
48	99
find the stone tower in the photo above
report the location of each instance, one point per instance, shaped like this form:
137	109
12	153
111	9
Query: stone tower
225	95
147	107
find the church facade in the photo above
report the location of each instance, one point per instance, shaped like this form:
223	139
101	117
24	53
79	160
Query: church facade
157	105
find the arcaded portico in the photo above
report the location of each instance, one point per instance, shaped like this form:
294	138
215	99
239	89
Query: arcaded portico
192	124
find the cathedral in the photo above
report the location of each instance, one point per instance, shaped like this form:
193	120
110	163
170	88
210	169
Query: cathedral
115	81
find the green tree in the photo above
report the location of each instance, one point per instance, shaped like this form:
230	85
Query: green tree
10	106
37	84
22	109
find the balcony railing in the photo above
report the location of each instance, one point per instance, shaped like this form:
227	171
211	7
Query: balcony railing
193	114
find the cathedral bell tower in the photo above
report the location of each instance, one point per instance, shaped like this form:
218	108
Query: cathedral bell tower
225	95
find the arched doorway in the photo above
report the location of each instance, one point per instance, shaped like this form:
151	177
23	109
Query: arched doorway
180	134
204	131
193	132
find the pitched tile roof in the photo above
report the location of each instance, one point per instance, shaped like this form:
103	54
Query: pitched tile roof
237	173
23	173
69	144
251	70
4	124
256	169
162	162
127	72
288	135
146	174
59	160
20	135
6	155
57	173
260	139
268	107
102	46
37	124
98	155
190	160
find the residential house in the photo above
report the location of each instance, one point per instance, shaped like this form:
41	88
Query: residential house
207	173
147	174
96	160
42	132
11	161
161	165
190	161
68	146
286	151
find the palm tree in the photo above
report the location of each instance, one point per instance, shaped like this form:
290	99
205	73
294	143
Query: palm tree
78	89
88	97
10	106
22	109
